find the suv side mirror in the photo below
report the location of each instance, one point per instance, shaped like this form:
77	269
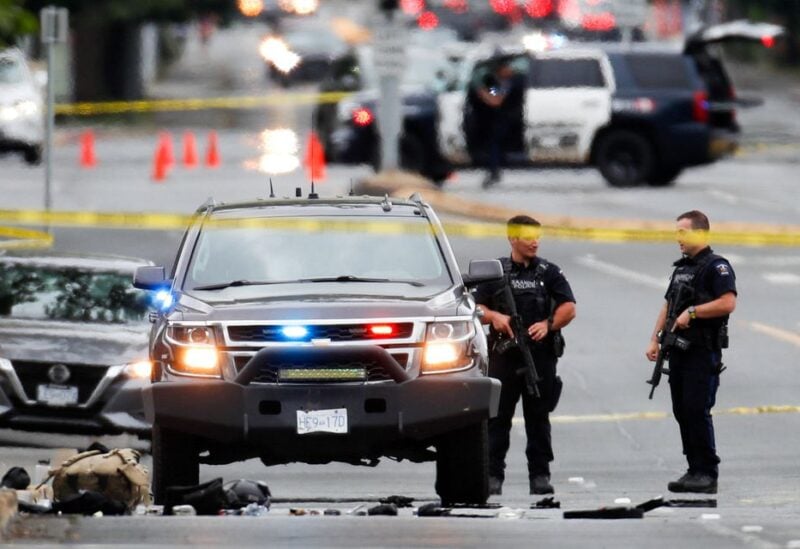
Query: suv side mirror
483	270
149	278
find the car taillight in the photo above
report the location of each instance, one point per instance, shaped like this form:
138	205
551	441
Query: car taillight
768	41
700	107
362	116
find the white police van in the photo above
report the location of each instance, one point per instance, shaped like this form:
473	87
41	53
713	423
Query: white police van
638	112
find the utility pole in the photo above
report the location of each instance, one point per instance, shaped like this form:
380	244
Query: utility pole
389	63
55	26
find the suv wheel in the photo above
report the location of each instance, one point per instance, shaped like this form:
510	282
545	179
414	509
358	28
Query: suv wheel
462	465
175	461
663	177
625	158
33	155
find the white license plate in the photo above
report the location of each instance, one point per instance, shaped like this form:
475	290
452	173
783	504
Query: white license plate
322	421
57	395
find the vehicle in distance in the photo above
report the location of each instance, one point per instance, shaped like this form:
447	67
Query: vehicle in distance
639	113
315	331
21	114
73	344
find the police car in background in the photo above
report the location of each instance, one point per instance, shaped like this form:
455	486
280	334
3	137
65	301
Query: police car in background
640	113
21	119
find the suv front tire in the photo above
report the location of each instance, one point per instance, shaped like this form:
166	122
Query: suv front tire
625	158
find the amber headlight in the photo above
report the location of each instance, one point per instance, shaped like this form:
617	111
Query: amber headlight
447	346
195	351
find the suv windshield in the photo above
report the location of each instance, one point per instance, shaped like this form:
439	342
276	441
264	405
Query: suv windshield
363	256
41	292
10	71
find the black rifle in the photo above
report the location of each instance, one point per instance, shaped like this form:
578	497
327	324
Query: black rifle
520	331
667	338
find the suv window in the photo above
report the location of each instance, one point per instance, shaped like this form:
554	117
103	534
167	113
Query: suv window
566	73
281	251
659	72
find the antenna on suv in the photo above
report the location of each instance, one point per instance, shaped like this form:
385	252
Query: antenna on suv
312	195
271	190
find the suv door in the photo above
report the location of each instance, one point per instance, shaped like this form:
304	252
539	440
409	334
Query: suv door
721	94
568	99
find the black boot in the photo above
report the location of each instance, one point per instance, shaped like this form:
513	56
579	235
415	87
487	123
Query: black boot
540	484
678	485
495	486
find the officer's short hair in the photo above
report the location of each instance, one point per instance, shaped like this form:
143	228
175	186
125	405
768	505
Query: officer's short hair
699	220
519	222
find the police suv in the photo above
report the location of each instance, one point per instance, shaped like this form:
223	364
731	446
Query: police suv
638	112
319	330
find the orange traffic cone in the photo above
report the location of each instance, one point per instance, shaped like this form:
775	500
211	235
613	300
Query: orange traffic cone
315	158
161	162
189	150
213	159
88	158
165	143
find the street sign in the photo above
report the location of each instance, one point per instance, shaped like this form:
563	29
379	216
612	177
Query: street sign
55	24
629	13
390	49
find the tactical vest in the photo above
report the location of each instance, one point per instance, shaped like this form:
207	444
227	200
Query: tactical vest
712	332
534	289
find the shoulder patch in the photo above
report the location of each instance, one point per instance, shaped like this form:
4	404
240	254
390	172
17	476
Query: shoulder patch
723	270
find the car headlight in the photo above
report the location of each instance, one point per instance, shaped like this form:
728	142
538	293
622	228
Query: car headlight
139	370
191	335
447	347
197	360
8	113
27	108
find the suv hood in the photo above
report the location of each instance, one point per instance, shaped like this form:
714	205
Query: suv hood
73	343
449	303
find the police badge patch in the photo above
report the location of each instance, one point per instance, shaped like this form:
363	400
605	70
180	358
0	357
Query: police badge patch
723	270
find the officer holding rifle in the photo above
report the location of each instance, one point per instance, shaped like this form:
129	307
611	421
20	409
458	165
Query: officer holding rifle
690	332
525	344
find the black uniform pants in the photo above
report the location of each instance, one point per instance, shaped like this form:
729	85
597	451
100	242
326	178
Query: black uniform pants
539	449
693	383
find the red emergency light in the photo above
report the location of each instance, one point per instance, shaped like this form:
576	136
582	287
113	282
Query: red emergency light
598	22
362	116
428	20
381	330
412	7
768	41
539	8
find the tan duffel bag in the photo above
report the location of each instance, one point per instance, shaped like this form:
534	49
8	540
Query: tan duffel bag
116	474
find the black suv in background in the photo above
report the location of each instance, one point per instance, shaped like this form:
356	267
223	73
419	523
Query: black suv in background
640	113
316	331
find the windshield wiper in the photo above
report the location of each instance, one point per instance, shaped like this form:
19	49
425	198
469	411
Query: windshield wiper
234	283
351	278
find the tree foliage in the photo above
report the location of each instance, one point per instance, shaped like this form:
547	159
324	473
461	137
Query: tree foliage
15	21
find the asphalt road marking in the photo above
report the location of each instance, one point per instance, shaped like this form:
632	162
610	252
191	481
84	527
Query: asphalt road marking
621	272
783	279
645	416
776	333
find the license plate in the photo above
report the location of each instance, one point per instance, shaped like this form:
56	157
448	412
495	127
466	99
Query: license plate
57	395
322	421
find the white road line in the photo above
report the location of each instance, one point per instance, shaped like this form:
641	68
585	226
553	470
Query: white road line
621	272
783	279
776	333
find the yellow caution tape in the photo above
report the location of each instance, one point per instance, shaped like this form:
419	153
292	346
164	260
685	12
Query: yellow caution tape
16	238
165	221
199	104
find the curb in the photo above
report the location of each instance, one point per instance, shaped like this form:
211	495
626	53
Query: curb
401	184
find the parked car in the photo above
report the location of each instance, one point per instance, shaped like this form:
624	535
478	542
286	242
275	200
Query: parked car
637	112
348	128
21	110
318	330
301	52
73	344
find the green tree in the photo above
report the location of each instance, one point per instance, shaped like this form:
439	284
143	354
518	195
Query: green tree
15	21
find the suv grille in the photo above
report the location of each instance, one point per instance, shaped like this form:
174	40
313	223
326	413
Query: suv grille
33	374
334	332
272	373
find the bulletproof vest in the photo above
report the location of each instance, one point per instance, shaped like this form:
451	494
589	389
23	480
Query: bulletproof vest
530	293
692	275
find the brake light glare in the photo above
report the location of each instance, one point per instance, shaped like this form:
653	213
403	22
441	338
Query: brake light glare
700	107
362	116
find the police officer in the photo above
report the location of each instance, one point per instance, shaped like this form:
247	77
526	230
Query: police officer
710	284
544	300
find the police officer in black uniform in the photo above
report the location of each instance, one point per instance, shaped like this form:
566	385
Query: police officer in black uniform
710	284
544	300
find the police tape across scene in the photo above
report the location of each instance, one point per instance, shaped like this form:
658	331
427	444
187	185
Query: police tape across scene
575	230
